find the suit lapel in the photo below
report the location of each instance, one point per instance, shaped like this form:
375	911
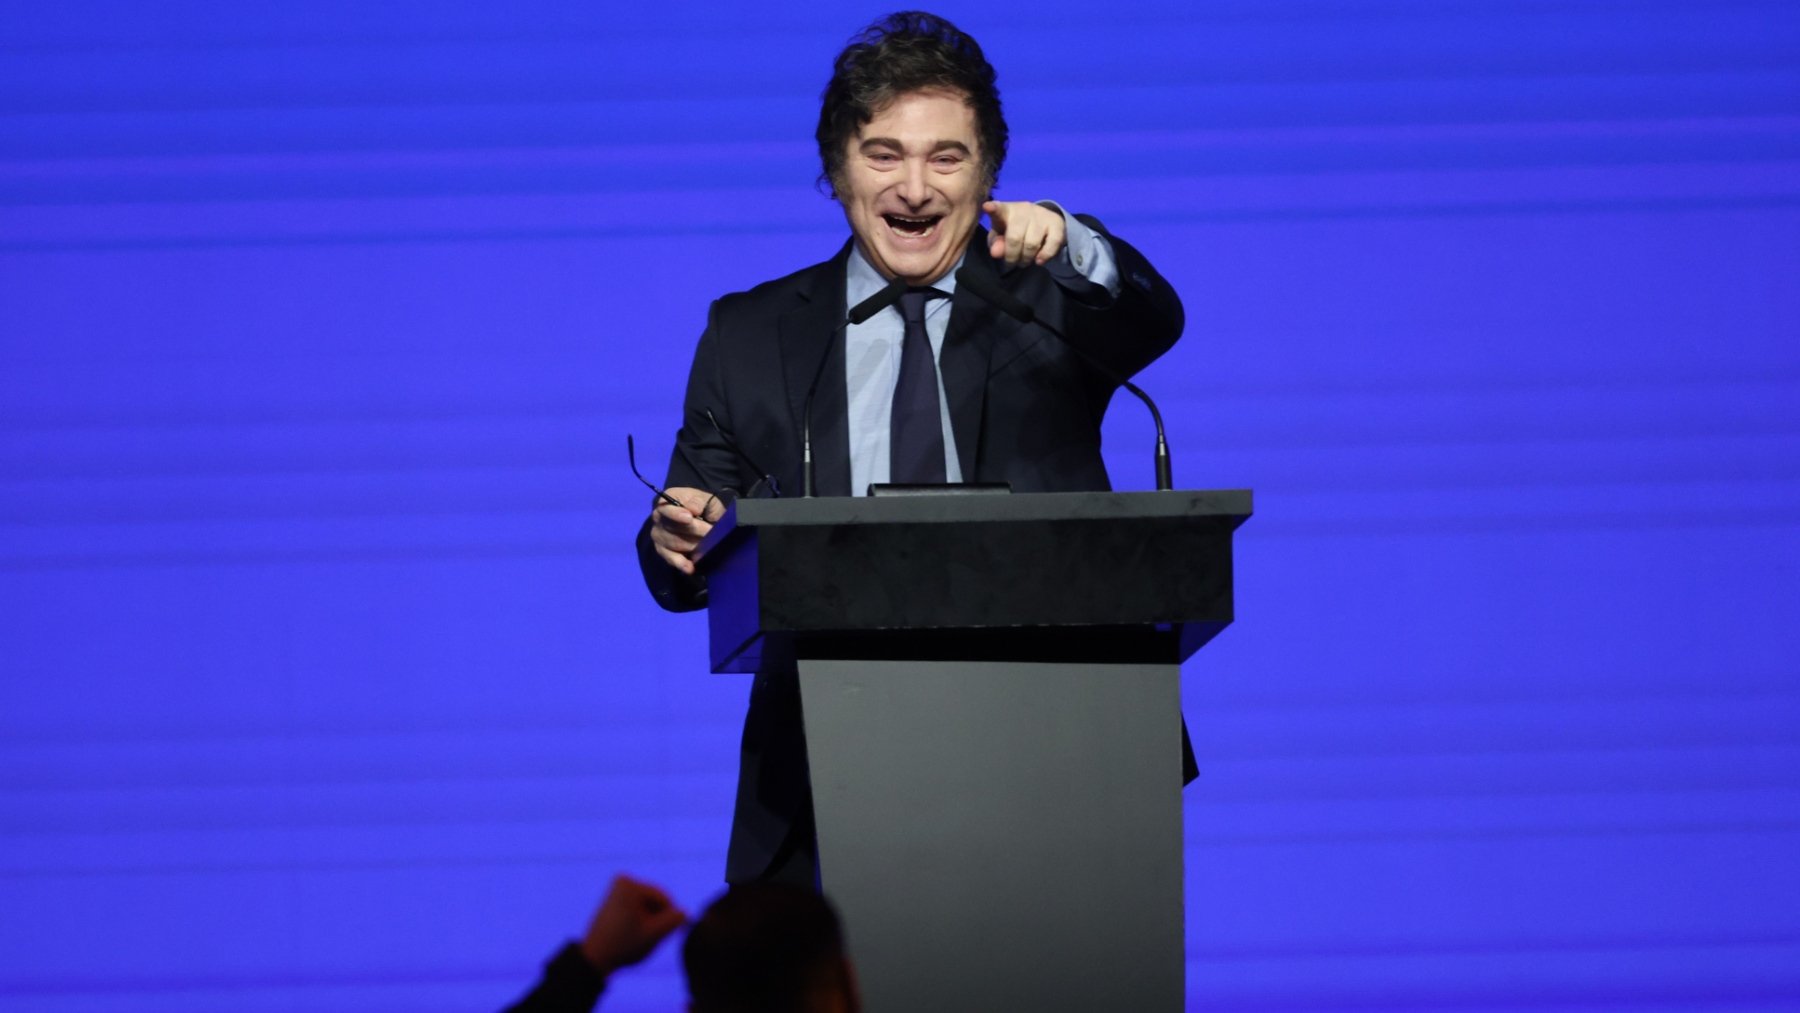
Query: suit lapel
975	328
812	344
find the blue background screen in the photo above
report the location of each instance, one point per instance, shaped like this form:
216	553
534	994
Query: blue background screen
327	678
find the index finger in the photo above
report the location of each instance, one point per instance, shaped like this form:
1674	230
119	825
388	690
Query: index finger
695	501
678	514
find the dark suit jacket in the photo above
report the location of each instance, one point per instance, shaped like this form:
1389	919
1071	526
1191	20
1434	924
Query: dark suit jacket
1025	409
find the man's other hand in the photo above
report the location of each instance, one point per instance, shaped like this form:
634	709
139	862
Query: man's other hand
1024	233
631	921
676	530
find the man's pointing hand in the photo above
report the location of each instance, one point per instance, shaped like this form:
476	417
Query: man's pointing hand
1024	233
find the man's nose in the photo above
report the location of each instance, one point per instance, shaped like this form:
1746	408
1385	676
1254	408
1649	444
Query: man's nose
914	189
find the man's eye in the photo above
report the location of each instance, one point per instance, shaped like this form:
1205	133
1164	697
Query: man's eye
884	158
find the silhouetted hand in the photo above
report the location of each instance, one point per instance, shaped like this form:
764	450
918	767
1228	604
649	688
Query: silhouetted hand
631	921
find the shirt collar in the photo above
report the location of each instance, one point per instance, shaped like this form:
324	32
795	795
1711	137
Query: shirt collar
861	280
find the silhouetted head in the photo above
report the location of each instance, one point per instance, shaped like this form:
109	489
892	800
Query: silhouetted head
766	948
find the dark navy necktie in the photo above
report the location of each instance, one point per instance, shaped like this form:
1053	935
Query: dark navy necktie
916	429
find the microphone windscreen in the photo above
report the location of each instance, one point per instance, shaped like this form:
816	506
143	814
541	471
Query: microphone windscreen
877	302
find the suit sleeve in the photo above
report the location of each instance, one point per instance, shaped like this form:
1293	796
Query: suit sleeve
700	460
1128	331
569	985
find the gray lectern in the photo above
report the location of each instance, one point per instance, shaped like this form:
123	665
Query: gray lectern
991	696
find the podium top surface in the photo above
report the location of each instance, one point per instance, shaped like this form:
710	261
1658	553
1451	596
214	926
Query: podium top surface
1233	505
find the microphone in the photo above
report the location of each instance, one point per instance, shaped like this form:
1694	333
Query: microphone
985	286
874	304
859	313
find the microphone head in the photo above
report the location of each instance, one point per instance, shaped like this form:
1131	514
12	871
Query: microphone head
877	302
983	284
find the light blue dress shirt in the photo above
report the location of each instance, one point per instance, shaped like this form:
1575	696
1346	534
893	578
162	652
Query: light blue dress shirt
872	348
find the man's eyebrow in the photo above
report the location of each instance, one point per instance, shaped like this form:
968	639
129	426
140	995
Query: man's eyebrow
889	142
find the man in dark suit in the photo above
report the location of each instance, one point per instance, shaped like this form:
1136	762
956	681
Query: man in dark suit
938	387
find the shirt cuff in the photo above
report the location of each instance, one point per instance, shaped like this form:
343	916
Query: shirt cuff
1085	265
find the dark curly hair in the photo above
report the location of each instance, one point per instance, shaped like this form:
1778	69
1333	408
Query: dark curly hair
906	52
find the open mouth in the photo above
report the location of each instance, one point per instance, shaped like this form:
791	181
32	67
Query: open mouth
913	226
